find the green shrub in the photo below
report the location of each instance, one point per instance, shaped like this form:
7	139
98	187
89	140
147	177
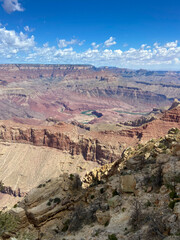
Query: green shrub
162	146
57	200
173	195
106	224
92	196
48	181
66	226
112	237
171	204
115	193
102	190
123	209
1	186
173	131
147	204
8	223
169	186
71	177
41	185
177	179
48	203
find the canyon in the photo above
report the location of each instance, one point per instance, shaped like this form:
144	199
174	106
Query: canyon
26	150
65	124
135	197
63	92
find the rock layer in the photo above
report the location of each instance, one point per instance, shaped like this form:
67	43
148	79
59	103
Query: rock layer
61	208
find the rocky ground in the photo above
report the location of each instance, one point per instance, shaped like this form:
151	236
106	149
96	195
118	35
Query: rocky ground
136	197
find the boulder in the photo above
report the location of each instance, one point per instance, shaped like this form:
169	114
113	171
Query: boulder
177	209
128	183
103	217
114	201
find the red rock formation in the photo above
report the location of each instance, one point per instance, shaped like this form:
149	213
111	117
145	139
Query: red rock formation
94	146
64	91
157	128
64	137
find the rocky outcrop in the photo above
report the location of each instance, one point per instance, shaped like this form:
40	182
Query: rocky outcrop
101	147
131	95
136	196
173	115
140	121
175	104
56	137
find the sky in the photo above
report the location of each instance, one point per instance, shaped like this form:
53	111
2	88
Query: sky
120	33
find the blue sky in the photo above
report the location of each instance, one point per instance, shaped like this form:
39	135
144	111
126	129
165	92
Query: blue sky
132	34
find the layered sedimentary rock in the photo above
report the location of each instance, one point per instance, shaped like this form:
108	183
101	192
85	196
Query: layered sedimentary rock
67	148
94	146
37	92
138	196
64	137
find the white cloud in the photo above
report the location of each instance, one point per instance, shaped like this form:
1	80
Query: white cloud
62	43
12	42
171	44
94	45
28	29
156	57
118	51
16	47
12	6
110	42
46	44
176	60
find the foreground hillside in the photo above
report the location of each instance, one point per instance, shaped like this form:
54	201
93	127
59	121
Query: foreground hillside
136	197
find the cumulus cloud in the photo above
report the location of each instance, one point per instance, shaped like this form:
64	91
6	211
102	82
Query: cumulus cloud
110	42
94	45
12	6
12	42
145	56
19	47
171	44
62	43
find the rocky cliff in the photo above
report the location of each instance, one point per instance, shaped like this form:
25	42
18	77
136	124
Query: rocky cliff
67	148
93	146
64	137
136	197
